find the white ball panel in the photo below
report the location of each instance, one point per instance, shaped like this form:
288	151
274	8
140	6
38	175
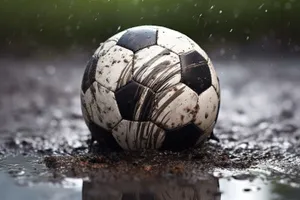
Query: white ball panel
104	47
208	108
114	69
175	106
174	40
156	68
133	135
214	78
102	106
206	134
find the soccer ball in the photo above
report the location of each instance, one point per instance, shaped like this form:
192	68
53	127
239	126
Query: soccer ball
150	87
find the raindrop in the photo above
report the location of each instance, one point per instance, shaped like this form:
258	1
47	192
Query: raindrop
119	27
247	38
220	11
266	10
212	7
230	30
260	7
70	16
41	30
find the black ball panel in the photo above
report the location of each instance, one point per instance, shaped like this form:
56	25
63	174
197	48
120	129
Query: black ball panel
135	101
89	73
138	38
181	138
104	138
195	71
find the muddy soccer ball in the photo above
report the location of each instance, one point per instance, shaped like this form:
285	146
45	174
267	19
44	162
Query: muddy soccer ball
150	87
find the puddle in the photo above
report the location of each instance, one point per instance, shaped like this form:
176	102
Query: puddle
209	188
26	177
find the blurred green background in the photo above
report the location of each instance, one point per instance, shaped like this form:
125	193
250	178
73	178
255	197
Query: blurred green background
61	24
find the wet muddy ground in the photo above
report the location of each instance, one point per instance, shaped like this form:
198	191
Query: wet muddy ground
44	152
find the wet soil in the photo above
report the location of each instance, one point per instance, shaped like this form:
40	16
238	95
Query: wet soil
258	126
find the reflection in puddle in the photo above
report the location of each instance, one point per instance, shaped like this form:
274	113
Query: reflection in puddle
206	189
209	188
233	189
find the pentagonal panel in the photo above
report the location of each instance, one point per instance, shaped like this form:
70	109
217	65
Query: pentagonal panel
208	108
104	47
195	71
135	101
115	68
103	137
89	73
84	111
173	40
175	106
156	68
134	135
137	38
102	106
181	138
214	78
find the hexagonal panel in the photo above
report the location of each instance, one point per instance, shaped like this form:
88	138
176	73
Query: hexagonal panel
173	40
214	78
104	47
137	38
102	106
181	138
156	68
133	135
205	136
114	69
89	74
218	111
195	71
104	138
198	49
208	108
175	107
135	101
